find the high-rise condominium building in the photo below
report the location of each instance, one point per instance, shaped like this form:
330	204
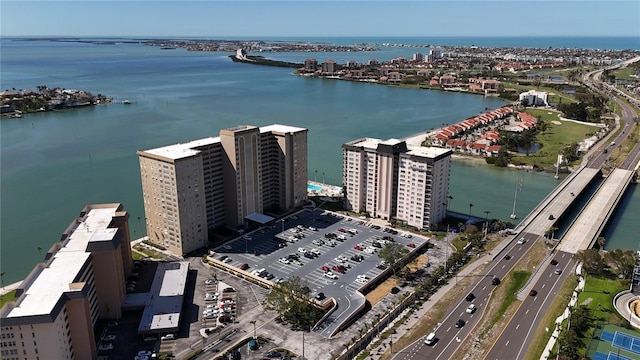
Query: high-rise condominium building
191	188
81	280
389	179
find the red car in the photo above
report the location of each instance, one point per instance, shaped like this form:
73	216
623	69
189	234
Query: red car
244	266
338	269
533	292
324	268
358	247
342	230
411	245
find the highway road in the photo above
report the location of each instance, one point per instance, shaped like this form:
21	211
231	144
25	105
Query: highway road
516	337
447	334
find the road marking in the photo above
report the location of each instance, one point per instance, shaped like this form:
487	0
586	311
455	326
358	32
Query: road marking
507	344
449	328
517	326
526	312
543	286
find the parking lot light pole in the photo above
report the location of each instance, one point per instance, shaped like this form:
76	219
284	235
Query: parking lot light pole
282	221
254	327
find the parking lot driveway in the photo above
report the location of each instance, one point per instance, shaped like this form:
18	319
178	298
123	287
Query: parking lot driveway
308	242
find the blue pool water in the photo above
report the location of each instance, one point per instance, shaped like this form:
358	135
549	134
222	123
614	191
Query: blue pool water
311	187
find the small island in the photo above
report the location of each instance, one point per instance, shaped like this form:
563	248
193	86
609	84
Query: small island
14	103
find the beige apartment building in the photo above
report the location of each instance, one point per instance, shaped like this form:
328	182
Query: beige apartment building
389	179
189	189
81	280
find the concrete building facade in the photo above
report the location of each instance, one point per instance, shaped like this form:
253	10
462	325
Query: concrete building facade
192	188
81	280
389	179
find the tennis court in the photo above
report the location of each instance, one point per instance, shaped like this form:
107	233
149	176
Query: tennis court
622	341
610	356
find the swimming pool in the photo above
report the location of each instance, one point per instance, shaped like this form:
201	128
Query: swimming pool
311	187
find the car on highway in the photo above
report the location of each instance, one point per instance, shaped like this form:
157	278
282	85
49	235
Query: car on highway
430	339
470	297
554	262
533	292
558	271
471	309
507	257
495	281
522	241
460	323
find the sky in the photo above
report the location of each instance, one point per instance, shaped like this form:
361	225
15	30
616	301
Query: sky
320	18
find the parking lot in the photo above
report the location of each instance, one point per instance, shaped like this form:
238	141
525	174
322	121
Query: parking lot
335	255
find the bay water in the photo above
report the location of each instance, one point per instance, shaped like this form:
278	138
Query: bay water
53	164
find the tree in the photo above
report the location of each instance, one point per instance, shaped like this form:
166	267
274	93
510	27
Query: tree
592	261
391	253
524	102
568	345
290	299
581	319
623	260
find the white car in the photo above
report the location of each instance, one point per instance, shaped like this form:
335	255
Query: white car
168	337
208	281
316	252
522	241
302	250
284	260
317	242
105	347
471	309
363	276
330	275
361	280
312	228
370	250
228	260
340	259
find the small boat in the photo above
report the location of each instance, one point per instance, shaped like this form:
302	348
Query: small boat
126	102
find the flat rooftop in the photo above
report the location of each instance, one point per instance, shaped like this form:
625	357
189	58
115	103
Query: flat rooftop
48	287
182	150
429	151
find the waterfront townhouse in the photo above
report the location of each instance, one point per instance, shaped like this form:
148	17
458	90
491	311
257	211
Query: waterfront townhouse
193	188
81	280
389	179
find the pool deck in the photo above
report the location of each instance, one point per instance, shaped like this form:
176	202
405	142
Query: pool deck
325	189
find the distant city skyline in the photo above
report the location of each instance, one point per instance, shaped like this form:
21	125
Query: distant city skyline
218	19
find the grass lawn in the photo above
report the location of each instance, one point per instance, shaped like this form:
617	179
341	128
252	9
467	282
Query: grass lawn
10	296
598	297
554	139
625	74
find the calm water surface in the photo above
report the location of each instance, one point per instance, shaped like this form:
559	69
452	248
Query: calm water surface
53	164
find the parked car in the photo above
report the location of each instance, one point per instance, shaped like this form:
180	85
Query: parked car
330	275
411	245
105	347
320	296
358	247
324	268
244	266
209	282
168	337
108	337
284	260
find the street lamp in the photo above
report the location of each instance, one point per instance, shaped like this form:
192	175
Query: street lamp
254	327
